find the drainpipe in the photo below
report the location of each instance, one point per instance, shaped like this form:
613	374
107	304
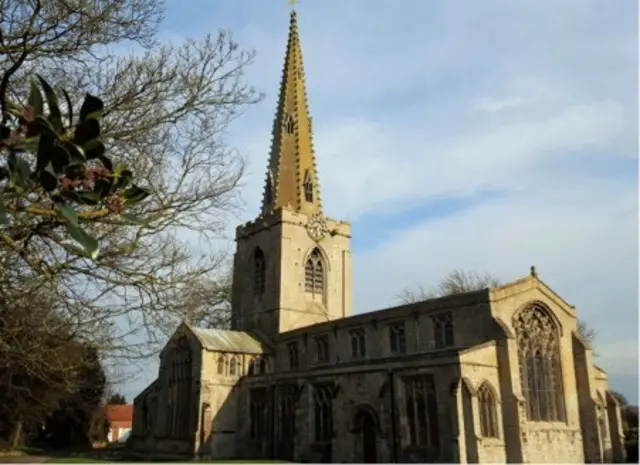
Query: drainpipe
394	426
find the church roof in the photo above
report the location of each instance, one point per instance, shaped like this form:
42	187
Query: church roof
227	341
292	179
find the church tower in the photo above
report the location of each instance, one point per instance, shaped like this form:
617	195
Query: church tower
292	266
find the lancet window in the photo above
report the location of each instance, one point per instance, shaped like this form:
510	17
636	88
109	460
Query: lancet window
314	275
221	363
488	414
538	342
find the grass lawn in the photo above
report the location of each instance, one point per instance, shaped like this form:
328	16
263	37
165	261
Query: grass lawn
73	460
29	450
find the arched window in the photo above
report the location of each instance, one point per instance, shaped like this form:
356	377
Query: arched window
308	187
233	367
259	272
488	416
221	365
314	275
539	358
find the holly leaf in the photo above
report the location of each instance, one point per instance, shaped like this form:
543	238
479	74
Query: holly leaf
55	116
92	108
35	99
135	194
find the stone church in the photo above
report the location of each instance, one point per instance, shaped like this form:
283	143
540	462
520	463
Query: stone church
497	375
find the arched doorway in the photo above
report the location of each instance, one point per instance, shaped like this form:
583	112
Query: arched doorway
365	426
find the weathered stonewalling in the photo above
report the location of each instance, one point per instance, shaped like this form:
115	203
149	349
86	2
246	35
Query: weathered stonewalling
497	375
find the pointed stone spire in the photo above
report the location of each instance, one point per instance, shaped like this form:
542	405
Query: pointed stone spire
292	180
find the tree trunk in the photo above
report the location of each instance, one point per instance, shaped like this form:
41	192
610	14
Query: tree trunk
16	434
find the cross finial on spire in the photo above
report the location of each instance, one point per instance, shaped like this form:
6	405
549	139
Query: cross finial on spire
292	3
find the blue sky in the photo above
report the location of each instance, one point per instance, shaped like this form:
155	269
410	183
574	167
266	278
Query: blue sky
484	135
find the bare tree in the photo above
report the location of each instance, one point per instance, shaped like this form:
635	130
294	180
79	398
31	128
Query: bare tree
166	111
456	282
459	281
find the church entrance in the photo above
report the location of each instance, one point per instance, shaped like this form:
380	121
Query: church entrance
366	429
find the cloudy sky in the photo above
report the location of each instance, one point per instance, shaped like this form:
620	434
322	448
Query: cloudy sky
481	135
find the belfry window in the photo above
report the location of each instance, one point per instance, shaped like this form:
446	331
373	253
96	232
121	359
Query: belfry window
259	272
314	275
308	187
538	342
488	416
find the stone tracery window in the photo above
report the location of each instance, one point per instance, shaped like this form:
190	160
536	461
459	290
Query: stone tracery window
358	343
259	272
488	415
233	367
422	411
314	275
539	357
397	338
323	412
221	365
443	330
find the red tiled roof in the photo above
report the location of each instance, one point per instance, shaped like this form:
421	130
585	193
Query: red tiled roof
120	413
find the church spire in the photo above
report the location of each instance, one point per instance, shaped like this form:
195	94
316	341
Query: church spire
292	180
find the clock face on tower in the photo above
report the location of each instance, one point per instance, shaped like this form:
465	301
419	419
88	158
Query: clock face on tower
317	227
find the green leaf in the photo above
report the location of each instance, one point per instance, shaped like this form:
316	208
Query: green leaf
102	187
83	197
4	219
124	179
89	244
74	171
94	149
45	151
60	158
106	162
76	154
92	108
48	178
86	131
135	194
55	116
19	168
68	212
69	106
35	99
